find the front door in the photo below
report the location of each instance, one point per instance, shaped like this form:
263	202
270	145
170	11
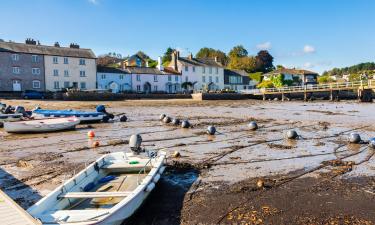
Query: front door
16	85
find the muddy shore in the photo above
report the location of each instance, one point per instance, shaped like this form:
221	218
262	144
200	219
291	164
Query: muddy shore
235	177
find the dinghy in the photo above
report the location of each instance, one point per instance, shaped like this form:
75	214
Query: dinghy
83	116
38	126
106	192
10	117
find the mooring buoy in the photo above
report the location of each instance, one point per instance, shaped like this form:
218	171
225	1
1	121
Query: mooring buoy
185	124
162	116
176	121
211	130
253	125
123	118
291	134
372	142
354	138
167	119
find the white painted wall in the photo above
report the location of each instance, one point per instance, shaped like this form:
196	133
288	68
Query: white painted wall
156	85
106	80
73	68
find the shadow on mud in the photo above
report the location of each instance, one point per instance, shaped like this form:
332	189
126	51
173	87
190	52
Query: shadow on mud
164	204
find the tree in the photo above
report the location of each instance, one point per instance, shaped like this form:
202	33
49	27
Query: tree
212	53
142	55
167	57
247	63
264	61
279	67
238	51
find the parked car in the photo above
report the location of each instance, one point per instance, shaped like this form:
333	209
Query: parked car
30	94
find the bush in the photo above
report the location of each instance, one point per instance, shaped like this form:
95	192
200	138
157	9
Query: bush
256	76
266	84
325	79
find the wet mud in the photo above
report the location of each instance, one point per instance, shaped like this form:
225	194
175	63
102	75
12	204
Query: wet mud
237	176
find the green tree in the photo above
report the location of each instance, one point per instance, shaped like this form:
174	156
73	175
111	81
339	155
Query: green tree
238	52
167	57
264	61
212	53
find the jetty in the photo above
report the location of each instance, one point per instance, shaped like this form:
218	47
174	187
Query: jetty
364	89
12	214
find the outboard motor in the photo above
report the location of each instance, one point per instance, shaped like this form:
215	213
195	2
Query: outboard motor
2	107
21	109
135	142
101	109
8	110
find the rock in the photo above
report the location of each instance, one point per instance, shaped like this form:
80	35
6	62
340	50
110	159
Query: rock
167	119
253	125
96	144
176	154
260	183
291	134
354	138
185	124
211	130
24	164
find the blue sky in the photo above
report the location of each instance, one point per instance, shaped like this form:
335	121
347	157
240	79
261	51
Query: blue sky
312	34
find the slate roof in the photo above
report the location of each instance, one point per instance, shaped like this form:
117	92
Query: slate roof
46	50
231	72
105	69
137	70
200	61
293	71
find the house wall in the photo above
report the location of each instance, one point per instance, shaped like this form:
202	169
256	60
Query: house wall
106	80
25	77
73	68
198	75
161	84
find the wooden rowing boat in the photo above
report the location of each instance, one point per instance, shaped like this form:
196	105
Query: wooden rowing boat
108	191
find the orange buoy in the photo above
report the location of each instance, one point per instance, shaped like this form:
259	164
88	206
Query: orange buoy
95	144
91	134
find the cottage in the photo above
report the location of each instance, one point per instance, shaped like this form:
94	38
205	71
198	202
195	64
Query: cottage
135	60
114	79
296	76
21	67
237	80
199	73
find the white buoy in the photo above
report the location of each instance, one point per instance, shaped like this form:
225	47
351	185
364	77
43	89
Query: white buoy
185	124
211	130
354	138
167	119
176	121
372	142
162	116
253	125
291	134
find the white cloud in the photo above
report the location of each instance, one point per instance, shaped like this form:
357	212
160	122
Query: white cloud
95	2
308	49
264	46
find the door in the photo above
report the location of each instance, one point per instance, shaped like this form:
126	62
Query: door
16	85
114	87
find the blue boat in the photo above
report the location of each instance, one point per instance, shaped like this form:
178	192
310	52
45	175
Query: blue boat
83	116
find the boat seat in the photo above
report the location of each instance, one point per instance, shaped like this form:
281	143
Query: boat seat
95	194
125	167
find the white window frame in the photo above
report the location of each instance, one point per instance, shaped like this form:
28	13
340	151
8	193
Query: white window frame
35	58
35	71
186	68
66	60
66	82
169	78
82	62
155	78
217	79
176	78
55	60
15	57
121	76
16	70
155	87
138	87
36	86
210	70
66	73
56	85
203	69
186	79
203	79
138	77
55	72
82	73
193	68
82	83
103	76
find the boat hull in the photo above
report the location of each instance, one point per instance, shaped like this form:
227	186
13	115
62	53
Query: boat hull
82	116
41	126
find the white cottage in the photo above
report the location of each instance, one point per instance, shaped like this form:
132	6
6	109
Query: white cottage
199	73
114	79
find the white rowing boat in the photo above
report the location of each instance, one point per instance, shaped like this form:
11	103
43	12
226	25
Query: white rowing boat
107	192
10	117
38	126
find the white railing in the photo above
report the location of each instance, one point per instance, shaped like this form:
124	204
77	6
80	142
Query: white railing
316	87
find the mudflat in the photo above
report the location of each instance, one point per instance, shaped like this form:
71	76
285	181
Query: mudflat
237	176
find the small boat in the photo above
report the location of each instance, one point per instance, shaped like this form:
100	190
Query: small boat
83	116
43	125
108	191
10	117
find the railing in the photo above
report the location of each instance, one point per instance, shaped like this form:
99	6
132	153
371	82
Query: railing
143	169
317	87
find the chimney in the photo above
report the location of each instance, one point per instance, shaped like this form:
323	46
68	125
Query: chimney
160	64
216	59
175	55
190	56
146	63
74	45
57	44
30	41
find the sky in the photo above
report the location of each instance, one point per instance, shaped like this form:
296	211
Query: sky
310	34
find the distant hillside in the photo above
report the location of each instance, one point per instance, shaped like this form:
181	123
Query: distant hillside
368	67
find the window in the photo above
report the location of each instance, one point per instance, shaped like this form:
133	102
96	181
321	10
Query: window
103	76
34	58
138	77
55	73
169	78
210	79
176	78
186	79
56	85
121	77
138	88
55	60
155	78
82	73
66	84
35	71
210	70
193	68
216	70
203	69
217	79
15	57
66	60
186	68
203	79
36	84
82	62
66	73
16	70
156	88
83	85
